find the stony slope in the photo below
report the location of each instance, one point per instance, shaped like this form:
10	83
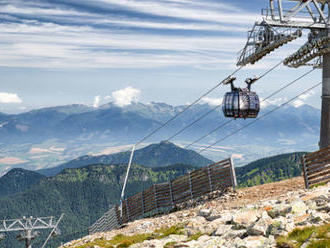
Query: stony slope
251	218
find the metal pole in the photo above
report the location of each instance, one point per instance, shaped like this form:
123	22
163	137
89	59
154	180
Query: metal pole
325	111
28	238
125	181
232	173
54	229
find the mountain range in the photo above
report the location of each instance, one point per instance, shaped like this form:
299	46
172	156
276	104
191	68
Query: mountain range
48	137
85	193
154	155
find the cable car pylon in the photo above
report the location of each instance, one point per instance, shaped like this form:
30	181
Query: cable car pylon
284	21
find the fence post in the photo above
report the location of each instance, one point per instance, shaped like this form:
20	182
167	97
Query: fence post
304	171
210	178
155	194
190	186
127	210
142	202
171	192
232	173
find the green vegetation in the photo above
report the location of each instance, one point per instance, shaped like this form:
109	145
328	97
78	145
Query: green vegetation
82	194
195	236
18	180
121	240
155	155
318	236
85	194
270	169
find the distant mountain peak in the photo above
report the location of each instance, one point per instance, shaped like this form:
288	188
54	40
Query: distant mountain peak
160	154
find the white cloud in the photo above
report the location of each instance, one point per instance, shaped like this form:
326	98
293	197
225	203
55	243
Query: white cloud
125	96
97	100
275	101
212	101
9	98
302	99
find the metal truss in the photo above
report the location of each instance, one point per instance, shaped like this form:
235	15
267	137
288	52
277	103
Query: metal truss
263	39
297	13
283	22
28	227
315	47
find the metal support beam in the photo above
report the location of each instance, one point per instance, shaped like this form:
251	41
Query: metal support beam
28	227
210	178
232	173
190	186
325	111
125	181
280	10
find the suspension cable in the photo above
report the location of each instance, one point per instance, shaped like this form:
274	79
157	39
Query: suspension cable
186	108
227	122
262	116
216	107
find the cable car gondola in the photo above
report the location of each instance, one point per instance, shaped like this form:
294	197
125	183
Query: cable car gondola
241	102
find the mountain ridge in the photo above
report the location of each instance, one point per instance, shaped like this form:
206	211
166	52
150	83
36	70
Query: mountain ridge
154	155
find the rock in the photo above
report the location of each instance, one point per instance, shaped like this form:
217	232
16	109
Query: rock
245	219
325	208
298	208
261	226
279	210
222	229
276	228
301	220
235	234
195	225
255	242
321	200
205	212
318	217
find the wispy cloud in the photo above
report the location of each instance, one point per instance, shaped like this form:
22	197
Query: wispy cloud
117	34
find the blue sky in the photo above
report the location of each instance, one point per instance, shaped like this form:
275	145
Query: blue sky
63	52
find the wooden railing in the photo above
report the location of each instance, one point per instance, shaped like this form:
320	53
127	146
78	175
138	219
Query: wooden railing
162	197
316	167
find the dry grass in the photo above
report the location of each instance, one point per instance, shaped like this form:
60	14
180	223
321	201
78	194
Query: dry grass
319	236
122	241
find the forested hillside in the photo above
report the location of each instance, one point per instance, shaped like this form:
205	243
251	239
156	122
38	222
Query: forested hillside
82	194
270	169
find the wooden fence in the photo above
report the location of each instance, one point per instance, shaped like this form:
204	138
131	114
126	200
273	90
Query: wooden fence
162	197
108	221
316	167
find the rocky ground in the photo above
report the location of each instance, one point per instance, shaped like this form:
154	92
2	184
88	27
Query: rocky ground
250	217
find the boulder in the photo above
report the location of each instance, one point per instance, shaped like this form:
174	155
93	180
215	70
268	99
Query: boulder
279	210
223	229
255	242
205	212
244	219
261	226
298	208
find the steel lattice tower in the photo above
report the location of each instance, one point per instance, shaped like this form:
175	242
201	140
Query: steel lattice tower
283	22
